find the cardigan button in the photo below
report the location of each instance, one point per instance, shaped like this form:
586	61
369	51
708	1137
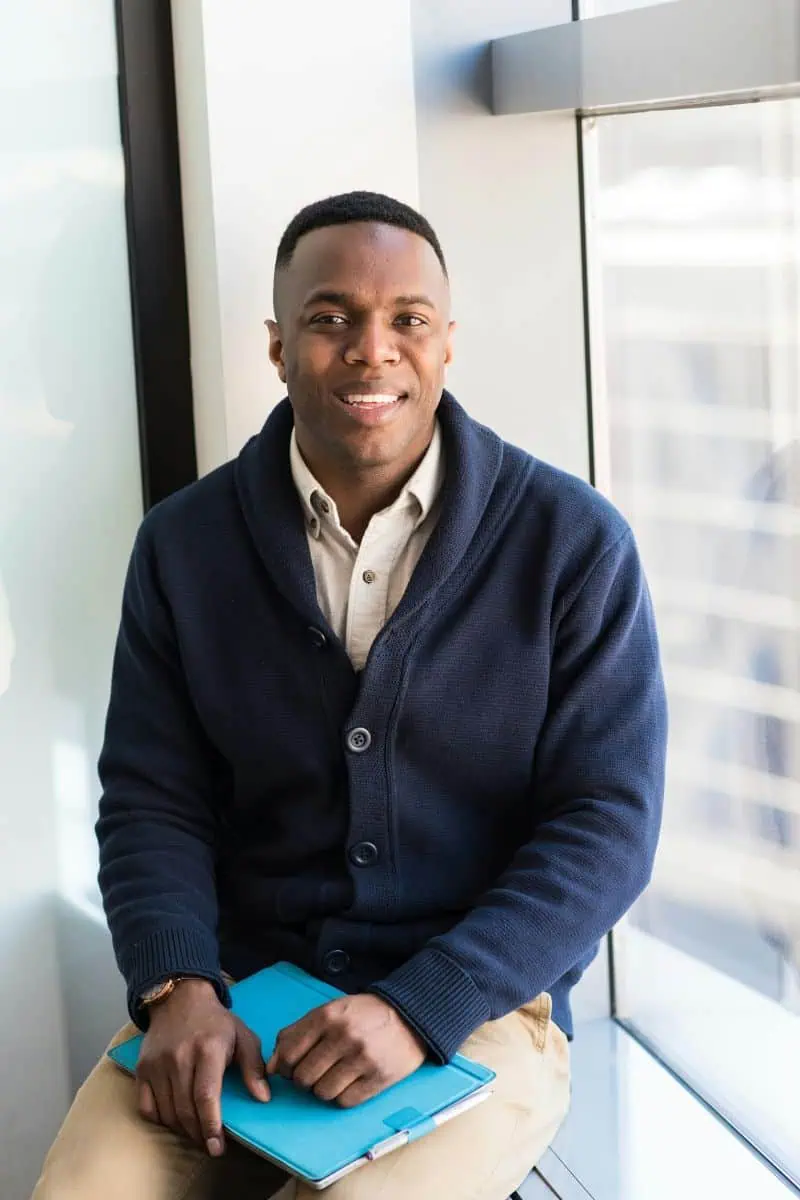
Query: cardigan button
364	854
359	740
318	638
336	962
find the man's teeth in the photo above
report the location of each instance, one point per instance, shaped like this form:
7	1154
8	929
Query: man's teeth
377	399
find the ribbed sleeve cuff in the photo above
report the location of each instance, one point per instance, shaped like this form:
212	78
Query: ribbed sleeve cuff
174	951
437	998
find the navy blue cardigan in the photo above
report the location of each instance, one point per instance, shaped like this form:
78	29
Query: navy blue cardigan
456	826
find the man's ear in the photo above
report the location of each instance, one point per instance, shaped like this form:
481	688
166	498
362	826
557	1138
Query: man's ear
448	347
276	349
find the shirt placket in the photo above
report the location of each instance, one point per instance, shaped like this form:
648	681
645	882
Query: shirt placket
369	584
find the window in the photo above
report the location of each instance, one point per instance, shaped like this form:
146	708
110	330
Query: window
71	496
694	269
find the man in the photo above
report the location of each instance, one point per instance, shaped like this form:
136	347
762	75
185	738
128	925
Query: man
386	703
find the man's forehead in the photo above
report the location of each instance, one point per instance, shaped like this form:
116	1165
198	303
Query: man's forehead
361	256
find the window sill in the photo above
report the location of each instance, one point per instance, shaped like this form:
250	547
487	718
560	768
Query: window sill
635	1132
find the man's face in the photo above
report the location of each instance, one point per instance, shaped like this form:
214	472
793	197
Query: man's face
362	339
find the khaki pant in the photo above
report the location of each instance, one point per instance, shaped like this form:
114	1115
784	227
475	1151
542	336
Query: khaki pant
105	1151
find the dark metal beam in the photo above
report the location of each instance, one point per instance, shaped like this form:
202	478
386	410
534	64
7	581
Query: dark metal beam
156	247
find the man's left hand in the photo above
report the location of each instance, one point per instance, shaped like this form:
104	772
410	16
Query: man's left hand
348	1050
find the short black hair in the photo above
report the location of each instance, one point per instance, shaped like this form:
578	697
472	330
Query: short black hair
354	206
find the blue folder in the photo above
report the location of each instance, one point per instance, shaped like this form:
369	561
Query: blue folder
314	1139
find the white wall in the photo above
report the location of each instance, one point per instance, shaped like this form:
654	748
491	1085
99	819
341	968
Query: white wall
278	105
282	104
502	192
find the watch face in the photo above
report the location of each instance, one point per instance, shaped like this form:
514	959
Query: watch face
151	994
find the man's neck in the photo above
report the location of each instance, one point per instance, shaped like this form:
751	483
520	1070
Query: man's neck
359	495
359	498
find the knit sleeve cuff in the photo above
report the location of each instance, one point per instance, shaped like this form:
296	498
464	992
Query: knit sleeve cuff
437	998
165	953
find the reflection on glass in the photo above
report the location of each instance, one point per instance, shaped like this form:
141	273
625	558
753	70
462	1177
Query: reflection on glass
695	249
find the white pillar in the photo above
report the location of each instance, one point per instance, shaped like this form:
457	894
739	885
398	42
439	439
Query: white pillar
278	105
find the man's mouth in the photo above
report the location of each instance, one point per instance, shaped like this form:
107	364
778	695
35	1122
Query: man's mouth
372	400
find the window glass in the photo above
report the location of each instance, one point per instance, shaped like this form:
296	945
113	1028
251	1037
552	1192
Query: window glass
70	502
694	236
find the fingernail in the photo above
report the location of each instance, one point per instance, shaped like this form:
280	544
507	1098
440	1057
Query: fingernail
214	1147
262	1089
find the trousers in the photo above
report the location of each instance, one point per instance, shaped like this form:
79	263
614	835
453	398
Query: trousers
106	1151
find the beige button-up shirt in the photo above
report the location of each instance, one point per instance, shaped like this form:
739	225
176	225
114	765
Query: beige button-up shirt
360	586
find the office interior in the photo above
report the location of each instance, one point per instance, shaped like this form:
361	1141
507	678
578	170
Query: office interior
616	185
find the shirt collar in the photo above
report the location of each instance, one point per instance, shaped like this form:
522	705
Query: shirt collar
485	479
312	496
423	487
426	482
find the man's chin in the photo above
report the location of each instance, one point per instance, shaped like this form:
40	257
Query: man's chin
369	445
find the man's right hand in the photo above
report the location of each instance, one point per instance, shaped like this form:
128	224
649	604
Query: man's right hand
191	1039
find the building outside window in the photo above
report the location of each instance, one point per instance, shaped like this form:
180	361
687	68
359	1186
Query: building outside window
694	279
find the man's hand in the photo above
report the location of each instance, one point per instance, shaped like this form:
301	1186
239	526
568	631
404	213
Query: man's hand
191	1040
348	1050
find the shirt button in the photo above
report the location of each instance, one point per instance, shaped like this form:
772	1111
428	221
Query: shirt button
318	638
364	854
359	740
369	577
321	504
336	962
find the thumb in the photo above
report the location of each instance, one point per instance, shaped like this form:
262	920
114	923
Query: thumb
251	1064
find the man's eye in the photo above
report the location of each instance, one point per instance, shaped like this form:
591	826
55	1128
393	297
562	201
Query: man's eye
328	319
413	321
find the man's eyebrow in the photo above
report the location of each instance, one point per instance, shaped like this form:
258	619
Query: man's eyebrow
343	299
326	296
414	301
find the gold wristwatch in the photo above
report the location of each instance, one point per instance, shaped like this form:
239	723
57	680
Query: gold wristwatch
159	991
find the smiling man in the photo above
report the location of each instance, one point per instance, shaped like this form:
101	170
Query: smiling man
386	703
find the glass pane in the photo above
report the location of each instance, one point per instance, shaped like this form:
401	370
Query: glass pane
70	500
695	293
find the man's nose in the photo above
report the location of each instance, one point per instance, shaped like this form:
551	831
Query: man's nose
372	343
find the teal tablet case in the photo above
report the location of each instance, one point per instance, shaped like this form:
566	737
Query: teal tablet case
313	1138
